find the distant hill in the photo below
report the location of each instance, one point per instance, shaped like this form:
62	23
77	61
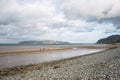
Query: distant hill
44	42
110	40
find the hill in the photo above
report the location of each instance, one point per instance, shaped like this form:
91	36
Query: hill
109	40
44	42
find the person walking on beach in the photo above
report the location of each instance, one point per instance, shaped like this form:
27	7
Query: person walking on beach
43	49
40	49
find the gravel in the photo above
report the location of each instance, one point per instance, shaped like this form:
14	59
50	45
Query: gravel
103	65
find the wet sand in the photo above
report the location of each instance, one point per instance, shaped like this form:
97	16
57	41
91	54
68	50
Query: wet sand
12	60
98	66
12	51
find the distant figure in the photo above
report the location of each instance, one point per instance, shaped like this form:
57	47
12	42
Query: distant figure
40	49
43	49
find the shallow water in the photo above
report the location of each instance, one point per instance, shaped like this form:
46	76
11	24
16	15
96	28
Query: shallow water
18	46
11	60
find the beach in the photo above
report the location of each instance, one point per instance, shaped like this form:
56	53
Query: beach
57	48
98	66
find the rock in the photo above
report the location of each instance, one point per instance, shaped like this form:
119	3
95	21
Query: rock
109	40
55	67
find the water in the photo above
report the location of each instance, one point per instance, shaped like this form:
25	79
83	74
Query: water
24	46
18	46
11	60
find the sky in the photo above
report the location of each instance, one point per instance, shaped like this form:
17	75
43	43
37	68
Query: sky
76	21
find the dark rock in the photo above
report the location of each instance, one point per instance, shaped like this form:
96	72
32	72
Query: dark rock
109	40
55	67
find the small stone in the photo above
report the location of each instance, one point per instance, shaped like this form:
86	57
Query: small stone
56	67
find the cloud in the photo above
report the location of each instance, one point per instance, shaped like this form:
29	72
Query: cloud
102	11
98	9
114	20
67	20
14	11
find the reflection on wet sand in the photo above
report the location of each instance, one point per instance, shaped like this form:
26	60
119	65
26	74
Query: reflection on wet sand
11	60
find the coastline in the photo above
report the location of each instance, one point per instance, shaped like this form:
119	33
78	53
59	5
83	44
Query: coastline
30	50
84	67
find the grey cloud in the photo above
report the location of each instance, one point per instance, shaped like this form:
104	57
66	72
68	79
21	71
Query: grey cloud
96	10
61	19
112	32
57	25
114	20
3	34
14	11
88	29
10	19
60	24
23	19
107	11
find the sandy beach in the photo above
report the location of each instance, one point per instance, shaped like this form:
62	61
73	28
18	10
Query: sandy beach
98	66
59	39
12	51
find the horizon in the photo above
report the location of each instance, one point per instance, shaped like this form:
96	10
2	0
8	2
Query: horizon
47	40
78	21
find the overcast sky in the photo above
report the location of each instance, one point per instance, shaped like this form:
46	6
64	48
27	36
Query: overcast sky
78	21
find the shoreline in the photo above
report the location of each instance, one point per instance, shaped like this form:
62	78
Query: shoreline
51	62
55	48
54	65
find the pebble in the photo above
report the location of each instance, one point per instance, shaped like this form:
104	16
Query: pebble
92	67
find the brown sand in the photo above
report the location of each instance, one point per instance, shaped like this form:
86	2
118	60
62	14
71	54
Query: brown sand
56	48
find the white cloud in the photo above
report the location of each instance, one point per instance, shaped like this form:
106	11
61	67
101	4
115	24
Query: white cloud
91	8
56	20
15	11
